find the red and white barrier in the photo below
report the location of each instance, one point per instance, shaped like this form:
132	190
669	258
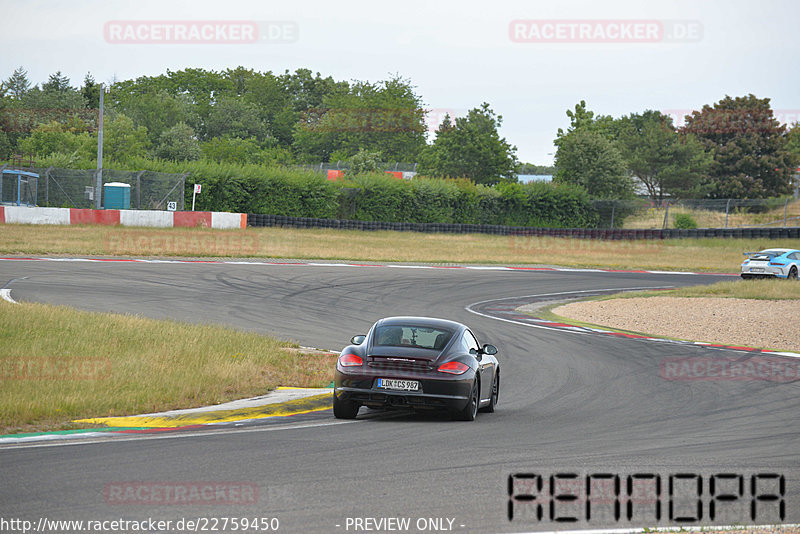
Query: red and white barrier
153	218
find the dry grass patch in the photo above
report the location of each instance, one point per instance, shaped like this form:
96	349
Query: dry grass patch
722	255
654	217
60	364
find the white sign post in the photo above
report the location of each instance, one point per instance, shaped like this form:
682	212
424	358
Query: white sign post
195	193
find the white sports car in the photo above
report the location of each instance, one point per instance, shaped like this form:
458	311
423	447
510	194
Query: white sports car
772	263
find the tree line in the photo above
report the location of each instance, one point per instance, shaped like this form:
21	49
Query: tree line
245	116
734	148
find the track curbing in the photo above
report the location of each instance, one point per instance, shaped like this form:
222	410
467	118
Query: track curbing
307	404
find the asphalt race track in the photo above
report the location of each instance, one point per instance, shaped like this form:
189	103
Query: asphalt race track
569	403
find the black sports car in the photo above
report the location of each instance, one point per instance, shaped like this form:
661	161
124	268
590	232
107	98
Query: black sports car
420	363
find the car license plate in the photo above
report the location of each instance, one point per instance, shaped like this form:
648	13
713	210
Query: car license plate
400	385
756	269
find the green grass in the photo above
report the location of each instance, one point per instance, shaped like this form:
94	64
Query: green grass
58	364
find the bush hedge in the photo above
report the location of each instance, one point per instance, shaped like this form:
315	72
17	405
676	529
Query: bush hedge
250	188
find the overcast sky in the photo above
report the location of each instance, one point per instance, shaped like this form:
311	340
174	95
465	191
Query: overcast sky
619	56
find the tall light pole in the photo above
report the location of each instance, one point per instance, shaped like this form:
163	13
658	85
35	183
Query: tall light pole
98	184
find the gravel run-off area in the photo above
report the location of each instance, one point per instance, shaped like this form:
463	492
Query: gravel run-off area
773	324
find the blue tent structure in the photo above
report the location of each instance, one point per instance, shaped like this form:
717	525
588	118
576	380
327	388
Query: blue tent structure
26	187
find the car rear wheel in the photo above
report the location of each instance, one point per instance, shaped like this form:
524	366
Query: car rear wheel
495	394
793	273
344	409
746	277
470	411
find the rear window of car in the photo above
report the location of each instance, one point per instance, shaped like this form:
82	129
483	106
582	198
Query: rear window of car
412	336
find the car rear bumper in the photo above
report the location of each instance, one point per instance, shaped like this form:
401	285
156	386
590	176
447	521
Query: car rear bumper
450	394
765	272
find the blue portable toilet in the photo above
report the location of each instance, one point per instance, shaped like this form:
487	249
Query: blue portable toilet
117	196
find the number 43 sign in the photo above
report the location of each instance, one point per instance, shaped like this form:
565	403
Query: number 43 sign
196	192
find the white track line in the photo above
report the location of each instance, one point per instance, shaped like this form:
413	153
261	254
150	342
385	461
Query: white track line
533	325
6	444
6	295
390	265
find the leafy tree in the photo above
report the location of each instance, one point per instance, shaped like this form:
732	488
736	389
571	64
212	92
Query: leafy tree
793	143
750	148
234	117
664	161
57	82
364	162
18	84
236	150
49	99
7	144
122	140
584	119
55	138
6	148
203	87
199	88
91	92
54	101
241	78
386	117
275	107
307	91
156	110
178	143
587	158
472	148
530	168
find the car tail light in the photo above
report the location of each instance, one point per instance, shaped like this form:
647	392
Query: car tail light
350	360
454	368
776	263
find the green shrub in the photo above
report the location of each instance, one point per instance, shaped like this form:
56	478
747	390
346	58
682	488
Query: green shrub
685	221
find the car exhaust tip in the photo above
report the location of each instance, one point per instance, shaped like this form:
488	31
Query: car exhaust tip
396	401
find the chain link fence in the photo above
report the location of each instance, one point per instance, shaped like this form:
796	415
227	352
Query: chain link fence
698	213
75	188
389	166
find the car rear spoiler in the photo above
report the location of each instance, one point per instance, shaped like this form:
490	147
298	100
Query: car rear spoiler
771	254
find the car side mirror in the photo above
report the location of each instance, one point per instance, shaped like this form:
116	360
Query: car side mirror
357	340
489	349
477	353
